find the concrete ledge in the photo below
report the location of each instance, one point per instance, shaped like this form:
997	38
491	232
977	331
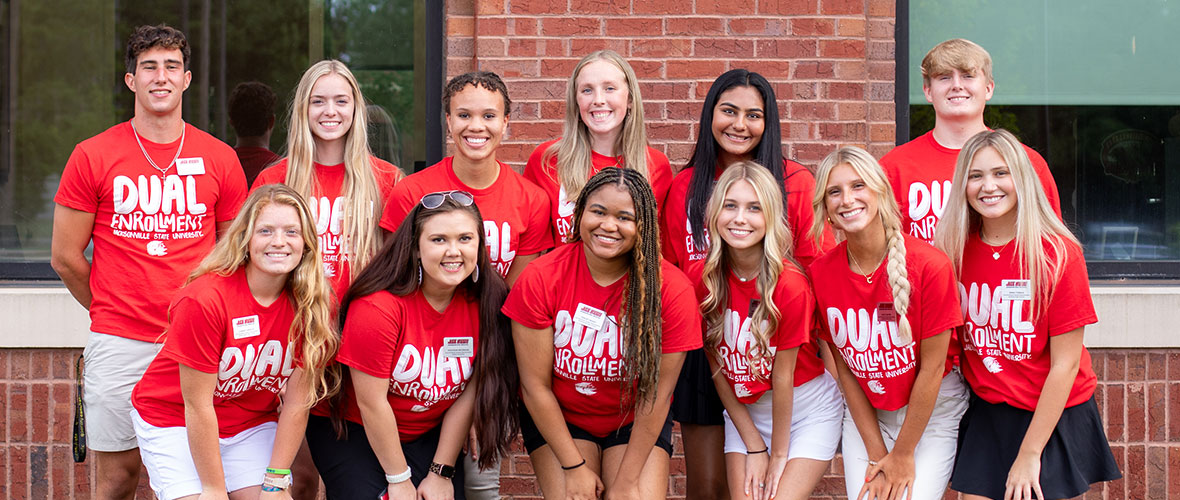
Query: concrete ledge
1130	316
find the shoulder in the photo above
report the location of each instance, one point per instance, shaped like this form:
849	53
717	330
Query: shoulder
210	145
797	177
423	181
925	258
904	151
115	133
539	151
791	282
211	289
515	181
830	258
673	279
658	158
274	174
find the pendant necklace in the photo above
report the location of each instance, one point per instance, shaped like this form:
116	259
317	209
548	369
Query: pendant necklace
163	171
995	251
869	276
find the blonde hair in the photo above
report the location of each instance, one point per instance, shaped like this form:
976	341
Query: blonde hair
776	248
361	238
573	152
870	172
956	53
313	326
1036	222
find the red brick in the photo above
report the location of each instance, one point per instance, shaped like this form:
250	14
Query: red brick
879	8
569	26
1135	474
518	486
61	411
516	153
634	26
492	47
813	26
881	132
797	131
493	26
513	68
882	70
882	112
661	7
664	90
459	25
459	65
798	90
521	465
844	90
526	110
59	471
526	26
723	47
881	28
653	110
695	26
18	363
881	91
813	110
880	51
647	68
1136	366
490	7
526	7
460	47
18	472
538	89
555	48
842	48
63	363
787	7
852	70
813	153
4	364
1174	413
846	111
582	46
758	26
683	110
669	130
806	70
1174	472
1173	365
1136	412
1157	411
841	7
1157	366
557	68
851	27
700	90
1116	366
39	412
1157	472
524	47
785	48
4	412
553	110
81	472
3	470
1115	418
462	8
694	68
678	154
600	6
661	47
18	412
727	7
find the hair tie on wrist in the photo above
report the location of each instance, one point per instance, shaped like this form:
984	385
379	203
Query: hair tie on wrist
583	462
763	450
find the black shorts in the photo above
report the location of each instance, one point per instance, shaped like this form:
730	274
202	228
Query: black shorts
695	399
350	469
533	439
1076	456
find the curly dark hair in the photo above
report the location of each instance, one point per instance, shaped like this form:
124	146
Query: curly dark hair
148	37
485	79
251	106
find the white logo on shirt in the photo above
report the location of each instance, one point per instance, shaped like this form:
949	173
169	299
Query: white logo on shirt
157	248
992	365
741	391
586	388
876	387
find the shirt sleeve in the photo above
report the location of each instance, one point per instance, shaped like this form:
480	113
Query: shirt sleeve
538	236
77	189
681	314
371	334
1046	177
528	302
196	333
231	191
397	207
938	295
796	308
1071	306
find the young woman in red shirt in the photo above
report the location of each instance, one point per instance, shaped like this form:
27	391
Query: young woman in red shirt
425	348
253	319
600	327
783	411
1032	426
887	304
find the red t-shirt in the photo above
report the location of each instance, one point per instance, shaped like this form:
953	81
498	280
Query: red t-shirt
796	306
921	171
217	327
328	210
561	210
588	363
676	234
848	305
1006	356
515	211
149	232
423	353
254	160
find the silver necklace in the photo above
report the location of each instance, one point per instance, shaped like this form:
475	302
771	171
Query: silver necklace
163	171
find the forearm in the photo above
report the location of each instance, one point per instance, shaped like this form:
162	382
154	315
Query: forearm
545	411
1050	404
74	271
862	412
649	421
292	421
920	406
455	425
783	401
381	429
201	425
738	413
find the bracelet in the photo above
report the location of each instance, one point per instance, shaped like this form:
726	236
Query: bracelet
266	487
763	450
583	462
278	472
872	463
398	478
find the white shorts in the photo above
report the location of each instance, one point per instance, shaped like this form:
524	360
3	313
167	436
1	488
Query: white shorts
816	417
113	365
169	462
934	457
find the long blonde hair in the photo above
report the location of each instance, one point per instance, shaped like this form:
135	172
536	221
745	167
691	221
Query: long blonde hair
361	238
313	326
869	171
1036	222
573	152
776	248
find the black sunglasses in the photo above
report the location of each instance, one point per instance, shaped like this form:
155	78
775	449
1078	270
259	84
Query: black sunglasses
435	200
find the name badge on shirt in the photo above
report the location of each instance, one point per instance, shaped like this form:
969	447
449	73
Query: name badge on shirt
1015	290
458	347
592	317
190	166
886	312
246	327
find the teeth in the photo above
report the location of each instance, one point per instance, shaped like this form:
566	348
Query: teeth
453	266
599	115
740	232
991	199
737	138
852	213
606	239
330	124
477	140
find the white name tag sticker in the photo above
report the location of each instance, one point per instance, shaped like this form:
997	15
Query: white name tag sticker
246	327
458	347
190	166
1016	290
592	317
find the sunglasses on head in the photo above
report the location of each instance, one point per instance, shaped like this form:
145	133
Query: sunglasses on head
435	200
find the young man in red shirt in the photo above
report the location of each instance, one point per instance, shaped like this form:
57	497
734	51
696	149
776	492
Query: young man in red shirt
957	80
151	193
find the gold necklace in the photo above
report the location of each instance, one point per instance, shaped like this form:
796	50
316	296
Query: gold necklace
860	269
995	251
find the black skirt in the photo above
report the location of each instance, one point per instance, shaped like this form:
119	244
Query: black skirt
695	399
1076	456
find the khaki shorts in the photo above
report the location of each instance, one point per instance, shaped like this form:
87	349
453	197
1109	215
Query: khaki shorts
113	365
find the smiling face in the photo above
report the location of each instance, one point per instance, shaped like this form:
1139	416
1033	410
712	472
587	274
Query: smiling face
849	202
603	98
738	122
476	122
740	221
330	108
990	188
448	248
608	227
276	246
159	81
959	94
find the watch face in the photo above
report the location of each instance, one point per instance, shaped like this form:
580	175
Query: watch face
446	471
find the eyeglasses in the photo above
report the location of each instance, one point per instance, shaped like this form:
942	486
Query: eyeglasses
435	200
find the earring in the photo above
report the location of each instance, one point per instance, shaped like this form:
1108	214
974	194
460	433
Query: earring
475	277
419	274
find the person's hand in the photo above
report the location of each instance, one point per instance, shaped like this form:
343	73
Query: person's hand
755	481
213	494
629	491
1024	478
402	491
436	487
472	444
898	469
581	483
875	489
774	474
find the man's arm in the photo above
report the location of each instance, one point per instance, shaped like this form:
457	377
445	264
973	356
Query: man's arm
72	231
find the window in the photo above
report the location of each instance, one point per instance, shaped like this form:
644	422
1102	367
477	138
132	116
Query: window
62	72
1090	85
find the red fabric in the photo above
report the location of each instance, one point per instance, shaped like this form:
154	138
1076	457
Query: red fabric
328	210
401	339
588	364
515	211
149	233
676	236
796	306
848	305
1006	356
254	160
251	370
561	210
921	171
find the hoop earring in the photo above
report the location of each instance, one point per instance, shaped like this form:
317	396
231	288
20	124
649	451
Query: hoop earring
419	274
475	277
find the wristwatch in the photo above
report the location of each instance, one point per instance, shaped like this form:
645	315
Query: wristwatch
444	471
282	482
